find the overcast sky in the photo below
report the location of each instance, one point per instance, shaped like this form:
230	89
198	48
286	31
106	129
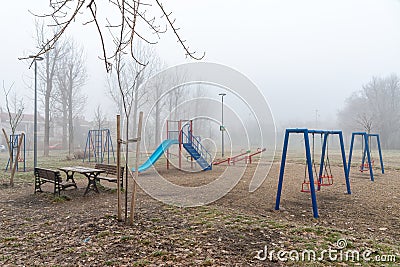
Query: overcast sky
303	54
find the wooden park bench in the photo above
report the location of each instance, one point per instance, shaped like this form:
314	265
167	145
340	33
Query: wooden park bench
51	176
110	174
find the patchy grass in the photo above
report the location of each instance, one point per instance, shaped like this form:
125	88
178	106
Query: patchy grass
228	232
141	263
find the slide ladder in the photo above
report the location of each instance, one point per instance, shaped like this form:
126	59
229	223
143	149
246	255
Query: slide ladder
194	147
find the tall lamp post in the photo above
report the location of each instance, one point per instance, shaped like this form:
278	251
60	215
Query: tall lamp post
35	59
222	127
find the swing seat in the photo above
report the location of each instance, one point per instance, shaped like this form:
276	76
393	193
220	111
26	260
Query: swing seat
366	166
305	187
326	180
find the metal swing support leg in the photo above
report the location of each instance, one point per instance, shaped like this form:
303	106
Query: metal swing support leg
378	141
345	169
309	166
380	153
366	152
310	174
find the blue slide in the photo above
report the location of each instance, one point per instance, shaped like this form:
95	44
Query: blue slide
157	154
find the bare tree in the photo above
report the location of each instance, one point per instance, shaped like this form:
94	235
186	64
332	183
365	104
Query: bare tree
366	121
15	114
159	102
100	118
131	13
70	78
47	73
127	92
134	73
165	98
15	108
375	108
175	96
356	116
114	93
124	32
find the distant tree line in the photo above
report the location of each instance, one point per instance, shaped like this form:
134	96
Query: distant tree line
375	109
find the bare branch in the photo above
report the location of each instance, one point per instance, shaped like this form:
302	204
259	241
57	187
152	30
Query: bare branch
175	30
51	43
16	115
130	14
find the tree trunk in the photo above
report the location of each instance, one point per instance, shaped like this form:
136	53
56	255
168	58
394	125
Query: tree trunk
157	140
47	120
70	133
70	116
47	107
135	109
10	155
65	125
157	119
126	164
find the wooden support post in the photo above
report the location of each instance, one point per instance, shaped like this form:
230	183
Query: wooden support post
9	147
134	184
21	137
119	200
13	164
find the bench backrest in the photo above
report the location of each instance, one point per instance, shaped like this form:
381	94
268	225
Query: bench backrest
48	174
110	169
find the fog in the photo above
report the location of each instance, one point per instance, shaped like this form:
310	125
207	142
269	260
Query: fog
306	57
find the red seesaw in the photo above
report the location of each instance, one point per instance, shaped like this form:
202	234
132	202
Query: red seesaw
249	157
232	159
242	156
237	158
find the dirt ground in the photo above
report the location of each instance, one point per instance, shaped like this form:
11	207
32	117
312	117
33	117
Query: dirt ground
77	230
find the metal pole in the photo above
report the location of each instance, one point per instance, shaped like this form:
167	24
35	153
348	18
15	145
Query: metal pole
180	143
346	170
380	153
222	122
35	58
282	171
179	138
35	122
310	175
222	125
350	154
371	173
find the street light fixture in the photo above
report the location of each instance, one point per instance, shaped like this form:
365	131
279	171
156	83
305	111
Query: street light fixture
35	59
222	127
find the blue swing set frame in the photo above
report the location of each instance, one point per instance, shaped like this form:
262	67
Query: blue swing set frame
366	152
306	132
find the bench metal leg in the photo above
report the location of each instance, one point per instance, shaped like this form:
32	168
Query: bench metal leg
91	185
70	176
37	186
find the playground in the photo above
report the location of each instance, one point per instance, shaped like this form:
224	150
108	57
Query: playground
72	233
317	192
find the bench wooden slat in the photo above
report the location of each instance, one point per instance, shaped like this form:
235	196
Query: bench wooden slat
50	176
109	179
109	170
